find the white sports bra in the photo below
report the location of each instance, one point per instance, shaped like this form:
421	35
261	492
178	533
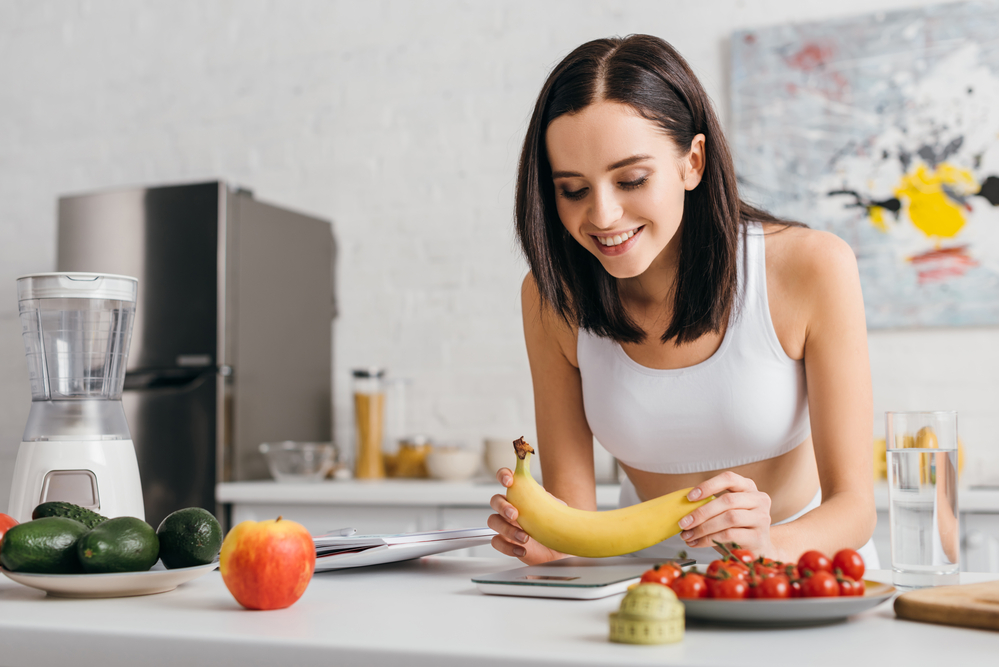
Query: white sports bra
745	403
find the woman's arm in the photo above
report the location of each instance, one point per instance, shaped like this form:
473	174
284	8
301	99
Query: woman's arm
818	290
565	442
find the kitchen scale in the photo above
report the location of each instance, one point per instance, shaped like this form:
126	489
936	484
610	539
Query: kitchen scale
76	446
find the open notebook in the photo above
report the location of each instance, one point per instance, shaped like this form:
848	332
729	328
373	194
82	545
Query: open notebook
343	549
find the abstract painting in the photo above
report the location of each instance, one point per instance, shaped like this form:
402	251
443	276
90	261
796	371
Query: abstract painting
883	129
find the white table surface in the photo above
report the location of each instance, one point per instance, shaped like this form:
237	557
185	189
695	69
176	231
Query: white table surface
428	612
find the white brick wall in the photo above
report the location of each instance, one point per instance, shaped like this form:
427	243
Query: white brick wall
400	121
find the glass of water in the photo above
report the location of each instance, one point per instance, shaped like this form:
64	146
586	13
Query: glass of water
922	494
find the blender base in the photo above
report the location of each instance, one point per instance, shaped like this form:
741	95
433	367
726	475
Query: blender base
102	475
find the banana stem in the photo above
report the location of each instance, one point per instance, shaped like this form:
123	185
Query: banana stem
522	448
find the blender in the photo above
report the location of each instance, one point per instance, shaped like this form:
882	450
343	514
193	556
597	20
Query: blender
76	446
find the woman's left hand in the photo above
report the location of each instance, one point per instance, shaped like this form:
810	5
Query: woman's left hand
739	513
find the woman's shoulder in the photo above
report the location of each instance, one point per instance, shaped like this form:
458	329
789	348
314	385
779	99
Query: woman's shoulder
543	325
806	256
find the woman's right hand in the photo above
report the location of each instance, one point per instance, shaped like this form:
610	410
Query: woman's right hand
510	538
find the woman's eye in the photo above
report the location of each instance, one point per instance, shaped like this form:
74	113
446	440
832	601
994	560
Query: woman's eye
631	185
574	195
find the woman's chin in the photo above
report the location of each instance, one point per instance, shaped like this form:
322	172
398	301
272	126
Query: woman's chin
622	271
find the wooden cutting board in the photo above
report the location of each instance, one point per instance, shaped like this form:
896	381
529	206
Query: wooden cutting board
968	605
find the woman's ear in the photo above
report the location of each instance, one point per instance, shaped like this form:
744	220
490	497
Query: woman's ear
694	163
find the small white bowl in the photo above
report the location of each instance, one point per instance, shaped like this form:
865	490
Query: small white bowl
453	463
299	461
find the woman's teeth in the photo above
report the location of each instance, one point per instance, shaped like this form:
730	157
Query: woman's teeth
616	240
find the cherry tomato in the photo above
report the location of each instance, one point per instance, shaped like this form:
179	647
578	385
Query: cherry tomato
814	561
776	587
791	571
664	574
765	567
849	563
734	567
727	588
745	555
796	588
690	585
6	523
821	584
850	588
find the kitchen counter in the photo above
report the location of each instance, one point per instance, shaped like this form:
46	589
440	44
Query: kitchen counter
427	612
422	492
419	492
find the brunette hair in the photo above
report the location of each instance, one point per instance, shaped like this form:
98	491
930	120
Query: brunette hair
647	74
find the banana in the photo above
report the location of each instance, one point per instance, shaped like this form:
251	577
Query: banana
592	534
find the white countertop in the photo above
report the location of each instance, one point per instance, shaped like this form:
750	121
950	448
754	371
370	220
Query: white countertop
418	492
428	612
423	492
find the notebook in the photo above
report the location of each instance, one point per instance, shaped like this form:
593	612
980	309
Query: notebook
570	578
343	548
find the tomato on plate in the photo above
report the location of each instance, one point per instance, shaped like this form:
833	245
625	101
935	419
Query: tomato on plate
734	568
777	586
664	574
765	567
745	555
814	561
796	588
6	523
849	563
726	587
690	585
850	588
821	584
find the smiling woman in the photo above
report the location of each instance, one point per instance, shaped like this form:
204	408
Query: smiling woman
704	342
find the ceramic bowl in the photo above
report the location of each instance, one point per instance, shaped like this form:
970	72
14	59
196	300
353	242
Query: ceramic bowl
299	461
452	463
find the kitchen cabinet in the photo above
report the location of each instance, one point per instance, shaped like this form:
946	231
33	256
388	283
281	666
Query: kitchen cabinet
399	506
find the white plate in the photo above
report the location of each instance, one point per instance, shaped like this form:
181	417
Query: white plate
797	611
111	584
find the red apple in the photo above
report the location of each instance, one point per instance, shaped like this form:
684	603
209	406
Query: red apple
267	564
6	523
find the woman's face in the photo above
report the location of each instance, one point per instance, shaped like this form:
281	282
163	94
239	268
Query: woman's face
620	184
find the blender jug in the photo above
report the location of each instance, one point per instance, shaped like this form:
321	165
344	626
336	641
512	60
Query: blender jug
76	447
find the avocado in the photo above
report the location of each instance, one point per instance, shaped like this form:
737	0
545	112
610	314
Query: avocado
189	537
59	508
122	544
43	546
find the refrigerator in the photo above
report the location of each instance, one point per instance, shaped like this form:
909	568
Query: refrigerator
232	343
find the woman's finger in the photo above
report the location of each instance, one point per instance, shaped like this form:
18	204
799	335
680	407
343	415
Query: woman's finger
737	518
508	531
505	477
726	481
502	507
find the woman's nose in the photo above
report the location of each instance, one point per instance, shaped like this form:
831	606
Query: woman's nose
605	209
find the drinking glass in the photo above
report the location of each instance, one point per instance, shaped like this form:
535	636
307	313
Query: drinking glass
922	495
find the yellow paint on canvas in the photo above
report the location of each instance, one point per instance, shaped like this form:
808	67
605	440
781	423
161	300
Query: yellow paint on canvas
930	209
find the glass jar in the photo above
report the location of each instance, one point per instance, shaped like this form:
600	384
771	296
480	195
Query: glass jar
369	418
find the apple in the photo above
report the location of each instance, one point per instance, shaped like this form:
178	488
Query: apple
6	523
267	564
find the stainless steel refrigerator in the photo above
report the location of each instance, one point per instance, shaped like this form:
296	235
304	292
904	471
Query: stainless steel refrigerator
232	344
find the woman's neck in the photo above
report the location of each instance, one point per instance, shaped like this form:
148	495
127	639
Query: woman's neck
654	286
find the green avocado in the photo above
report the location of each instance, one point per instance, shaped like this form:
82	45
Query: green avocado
60	508
43	546
189	537
122	544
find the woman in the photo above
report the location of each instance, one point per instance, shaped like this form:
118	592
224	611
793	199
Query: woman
704	342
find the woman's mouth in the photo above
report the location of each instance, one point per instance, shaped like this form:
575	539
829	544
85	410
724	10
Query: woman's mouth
618	243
